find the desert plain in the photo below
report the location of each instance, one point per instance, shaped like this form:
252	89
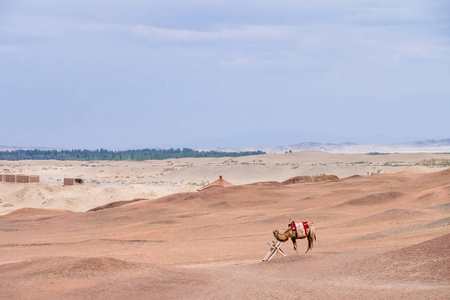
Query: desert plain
142	230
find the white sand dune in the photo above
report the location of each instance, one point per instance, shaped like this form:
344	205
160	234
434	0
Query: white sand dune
109	181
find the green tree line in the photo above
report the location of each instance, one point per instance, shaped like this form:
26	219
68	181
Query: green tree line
102	154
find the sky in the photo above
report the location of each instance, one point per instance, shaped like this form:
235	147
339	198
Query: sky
213	74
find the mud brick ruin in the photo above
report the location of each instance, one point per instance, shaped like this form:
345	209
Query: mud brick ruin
20	178
73	181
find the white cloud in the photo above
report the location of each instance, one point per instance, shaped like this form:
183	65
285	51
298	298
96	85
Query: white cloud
244	61
243	33
283	60
8	49
60	28
422	53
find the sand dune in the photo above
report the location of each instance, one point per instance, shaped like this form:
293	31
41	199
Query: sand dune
379	237
374	199
301	179
110	181
426	262
389	217
92	278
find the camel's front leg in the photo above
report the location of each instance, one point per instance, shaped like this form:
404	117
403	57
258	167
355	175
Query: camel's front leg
294	241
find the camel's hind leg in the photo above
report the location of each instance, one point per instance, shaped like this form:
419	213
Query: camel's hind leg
309	244
311	238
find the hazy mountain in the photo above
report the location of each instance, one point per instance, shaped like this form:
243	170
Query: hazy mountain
13	148
432	146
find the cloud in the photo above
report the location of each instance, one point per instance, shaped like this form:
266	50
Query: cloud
322	62
25	32
421	52
245	61
279	60
8	49
41	29
147	32
242	33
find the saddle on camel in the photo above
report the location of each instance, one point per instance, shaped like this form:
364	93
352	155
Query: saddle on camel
296	231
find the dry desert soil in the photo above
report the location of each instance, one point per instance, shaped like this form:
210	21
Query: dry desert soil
380	234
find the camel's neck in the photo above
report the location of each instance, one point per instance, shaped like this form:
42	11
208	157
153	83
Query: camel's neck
283	237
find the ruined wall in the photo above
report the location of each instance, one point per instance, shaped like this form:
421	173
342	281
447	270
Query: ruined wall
10	177
73	181
34	178
20	178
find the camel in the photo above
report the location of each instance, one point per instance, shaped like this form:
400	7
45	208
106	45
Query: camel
297	231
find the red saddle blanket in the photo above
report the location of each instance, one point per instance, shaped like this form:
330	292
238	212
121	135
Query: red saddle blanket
300	229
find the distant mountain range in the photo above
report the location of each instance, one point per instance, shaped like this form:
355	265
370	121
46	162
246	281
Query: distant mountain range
431	146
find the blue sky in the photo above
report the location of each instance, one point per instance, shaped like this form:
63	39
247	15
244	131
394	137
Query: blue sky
158	74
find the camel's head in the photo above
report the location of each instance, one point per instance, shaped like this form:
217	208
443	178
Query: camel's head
276	233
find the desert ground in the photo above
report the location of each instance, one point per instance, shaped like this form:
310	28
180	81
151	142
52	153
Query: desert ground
382	228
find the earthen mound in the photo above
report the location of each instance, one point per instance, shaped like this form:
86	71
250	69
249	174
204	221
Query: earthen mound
427	261
183	197
391	216
374	199
90	266
116	204
443	207
443	223
34	213
412	170
220	182
266	183
445	172
67	267
301	179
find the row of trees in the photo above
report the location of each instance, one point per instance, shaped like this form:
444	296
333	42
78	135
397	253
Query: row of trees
102	154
